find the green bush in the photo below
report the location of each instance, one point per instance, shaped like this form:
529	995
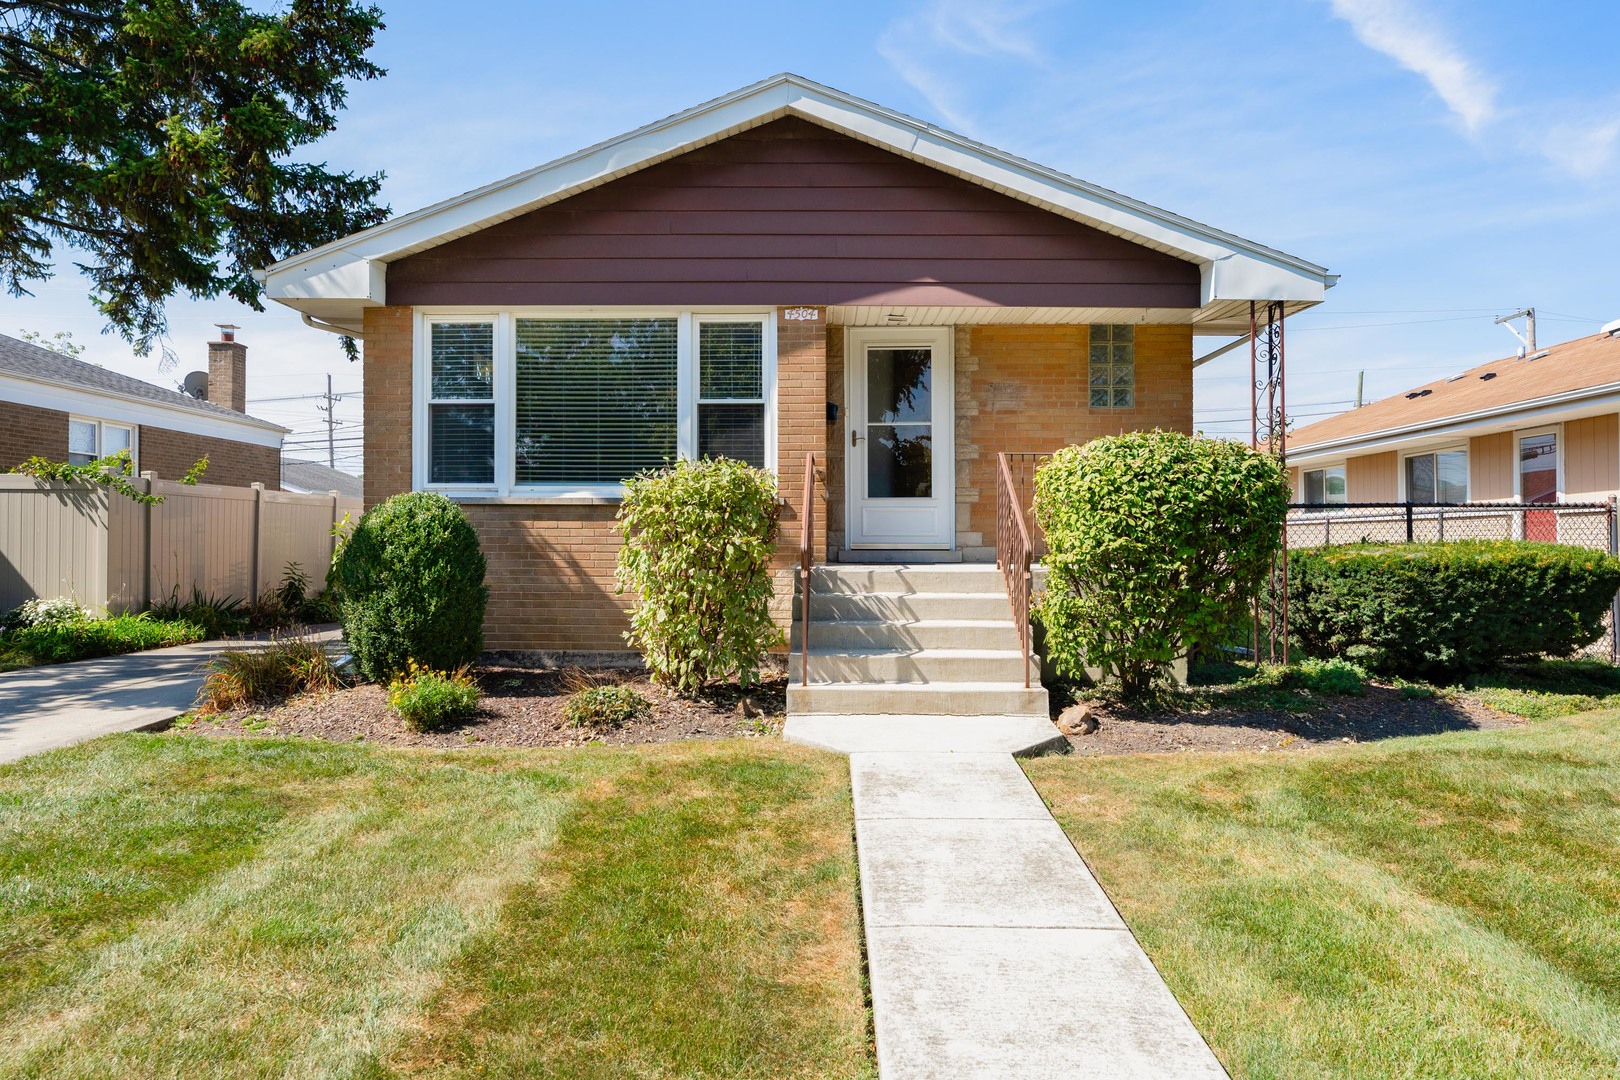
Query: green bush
698	541
42	612
411	587
219	616
1332	676
267	675
1157	542
428	700
606	707
56	643
1449	608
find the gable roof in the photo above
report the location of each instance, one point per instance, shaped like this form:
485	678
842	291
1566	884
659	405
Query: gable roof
313	476
37	364
1564	374
337	281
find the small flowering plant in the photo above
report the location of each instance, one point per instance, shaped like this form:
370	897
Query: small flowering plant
428	700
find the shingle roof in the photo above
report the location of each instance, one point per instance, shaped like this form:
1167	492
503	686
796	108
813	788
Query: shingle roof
34	362
311	476
1583	364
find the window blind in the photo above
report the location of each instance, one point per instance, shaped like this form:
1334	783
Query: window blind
596	398
731	391
461	409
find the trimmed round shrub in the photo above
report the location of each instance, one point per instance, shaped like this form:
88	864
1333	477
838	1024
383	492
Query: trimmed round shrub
699	537
411	587
1448	608
1157	543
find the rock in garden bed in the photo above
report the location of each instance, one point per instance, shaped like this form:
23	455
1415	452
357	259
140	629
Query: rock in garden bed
519	707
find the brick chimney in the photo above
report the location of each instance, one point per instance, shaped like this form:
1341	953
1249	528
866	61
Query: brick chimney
227	370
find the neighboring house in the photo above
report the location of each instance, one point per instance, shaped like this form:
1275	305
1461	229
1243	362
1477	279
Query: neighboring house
1538	428
784	270
317	479
56	407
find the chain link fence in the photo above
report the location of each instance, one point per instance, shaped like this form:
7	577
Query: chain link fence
1590	525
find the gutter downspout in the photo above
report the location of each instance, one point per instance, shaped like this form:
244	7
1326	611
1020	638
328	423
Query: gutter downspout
330	328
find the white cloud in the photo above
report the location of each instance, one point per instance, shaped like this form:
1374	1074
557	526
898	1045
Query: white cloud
927	47
1587	150
1395	29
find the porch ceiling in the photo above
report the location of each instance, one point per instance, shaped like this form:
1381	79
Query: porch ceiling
1222	318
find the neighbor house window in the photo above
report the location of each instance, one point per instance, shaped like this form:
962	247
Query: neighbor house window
1538	468
461	403
89	440
596	398
1112	366
731	390
1325	487
1437	478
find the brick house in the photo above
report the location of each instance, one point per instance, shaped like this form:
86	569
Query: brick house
56	407
785	270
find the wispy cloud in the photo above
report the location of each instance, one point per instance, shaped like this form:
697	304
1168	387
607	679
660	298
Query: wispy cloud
926	47
1411	39
1587	150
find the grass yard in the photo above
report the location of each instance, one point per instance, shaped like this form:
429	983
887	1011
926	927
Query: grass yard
1443	906
172	905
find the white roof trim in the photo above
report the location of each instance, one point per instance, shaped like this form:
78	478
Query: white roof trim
105	405
1591	400
352	271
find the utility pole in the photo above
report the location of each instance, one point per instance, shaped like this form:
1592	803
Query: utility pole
331	425
1528	338
1361	382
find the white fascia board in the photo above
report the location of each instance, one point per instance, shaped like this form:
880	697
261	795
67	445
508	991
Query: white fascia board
1574	405
119	409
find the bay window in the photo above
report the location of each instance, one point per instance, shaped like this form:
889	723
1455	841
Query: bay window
549	403
1440	477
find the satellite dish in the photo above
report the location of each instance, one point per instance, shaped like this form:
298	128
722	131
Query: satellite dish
196	385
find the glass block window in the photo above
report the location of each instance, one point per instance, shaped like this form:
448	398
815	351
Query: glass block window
1111	369
461	403
731	390
596	398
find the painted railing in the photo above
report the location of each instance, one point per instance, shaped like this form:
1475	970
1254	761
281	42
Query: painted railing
807	550
1014	552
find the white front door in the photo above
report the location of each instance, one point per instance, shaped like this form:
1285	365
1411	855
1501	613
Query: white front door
900	438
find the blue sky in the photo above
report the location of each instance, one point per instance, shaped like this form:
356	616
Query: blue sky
1452	160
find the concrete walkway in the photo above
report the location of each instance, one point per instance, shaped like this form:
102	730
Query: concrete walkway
60	704
993	951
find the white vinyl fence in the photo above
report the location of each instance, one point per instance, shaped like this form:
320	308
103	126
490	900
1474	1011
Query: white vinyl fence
106	550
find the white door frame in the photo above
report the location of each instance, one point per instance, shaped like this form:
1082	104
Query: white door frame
942	393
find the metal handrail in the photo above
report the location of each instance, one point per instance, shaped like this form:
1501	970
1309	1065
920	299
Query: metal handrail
1014	553
807	534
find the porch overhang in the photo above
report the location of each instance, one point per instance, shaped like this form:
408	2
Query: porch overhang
335	283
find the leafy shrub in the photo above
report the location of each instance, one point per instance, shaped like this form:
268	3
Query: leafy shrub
1157	541
606	707
1449	608
698	541
218	616
290	605
428	700
41	612
56	643
411	586
1332	676
266	675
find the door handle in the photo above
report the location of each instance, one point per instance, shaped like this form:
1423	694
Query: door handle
853	437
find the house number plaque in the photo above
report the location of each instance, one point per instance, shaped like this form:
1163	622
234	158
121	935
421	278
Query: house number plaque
801	314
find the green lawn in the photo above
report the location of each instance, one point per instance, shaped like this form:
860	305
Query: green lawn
179	905
1444	906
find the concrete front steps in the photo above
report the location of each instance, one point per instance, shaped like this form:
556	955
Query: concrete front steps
911	641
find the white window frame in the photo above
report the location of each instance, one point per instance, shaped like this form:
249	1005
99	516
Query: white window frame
1405	495
101	438
1518	473
1323	468
767	378
505	486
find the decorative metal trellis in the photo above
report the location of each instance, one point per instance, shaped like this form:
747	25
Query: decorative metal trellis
1268	430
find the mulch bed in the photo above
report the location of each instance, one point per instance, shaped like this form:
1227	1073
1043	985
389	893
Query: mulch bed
1322	722
520	707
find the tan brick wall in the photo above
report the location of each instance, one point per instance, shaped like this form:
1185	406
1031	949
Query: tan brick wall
801	423
171	454
550	578
27	432
1022	389
386	378
836	440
